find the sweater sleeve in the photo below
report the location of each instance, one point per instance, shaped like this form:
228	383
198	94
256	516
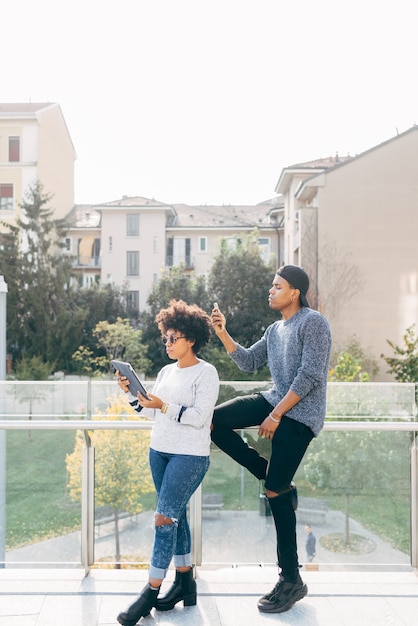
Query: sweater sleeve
250	359
205	395
316	338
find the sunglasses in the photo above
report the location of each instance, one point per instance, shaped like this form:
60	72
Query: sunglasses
172	339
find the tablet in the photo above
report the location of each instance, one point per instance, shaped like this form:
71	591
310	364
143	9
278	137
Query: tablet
135	384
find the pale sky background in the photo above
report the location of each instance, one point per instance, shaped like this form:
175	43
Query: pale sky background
206	101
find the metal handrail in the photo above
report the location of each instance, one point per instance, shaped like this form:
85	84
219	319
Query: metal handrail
100	424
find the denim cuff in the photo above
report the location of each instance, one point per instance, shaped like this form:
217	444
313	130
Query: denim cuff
182	560
157	572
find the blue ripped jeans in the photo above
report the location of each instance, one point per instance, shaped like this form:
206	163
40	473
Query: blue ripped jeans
176	477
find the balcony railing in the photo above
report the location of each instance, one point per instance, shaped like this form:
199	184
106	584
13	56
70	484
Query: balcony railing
187	261
367	454
87	261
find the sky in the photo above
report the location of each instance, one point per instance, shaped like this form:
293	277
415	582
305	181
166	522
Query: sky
205	102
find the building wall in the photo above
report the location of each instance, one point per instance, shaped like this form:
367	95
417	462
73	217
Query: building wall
10	173
150	244
201	262
368	223
46	153
56	157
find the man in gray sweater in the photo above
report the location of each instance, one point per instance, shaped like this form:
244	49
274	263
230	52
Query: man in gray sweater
297	350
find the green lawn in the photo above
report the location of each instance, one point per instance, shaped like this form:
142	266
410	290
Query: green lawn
38	505
385	515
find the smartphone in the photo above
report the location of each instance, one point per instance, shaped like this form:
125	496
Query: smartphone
215	305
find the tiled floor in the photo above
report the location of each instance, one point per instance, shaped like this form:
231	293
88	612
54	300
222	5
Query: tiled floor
226	597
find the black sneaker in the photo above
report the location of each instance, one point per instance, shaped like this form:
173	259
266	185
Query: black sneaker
273	592
282	597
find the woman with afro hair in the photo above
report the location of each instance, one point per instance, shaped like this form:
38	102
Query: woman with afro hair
182	403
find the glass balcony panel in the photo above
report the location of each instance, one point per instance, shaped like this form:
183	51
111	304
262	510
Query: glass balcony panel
125	497
371	400
43	521
354	490
26	400
371	467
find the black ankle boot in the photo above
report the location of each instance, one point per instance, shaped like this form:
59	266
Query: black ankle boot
183	588
140	608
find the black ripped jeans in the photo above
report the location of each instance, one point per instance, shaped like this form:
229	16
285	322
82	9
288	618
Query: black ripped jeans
288	447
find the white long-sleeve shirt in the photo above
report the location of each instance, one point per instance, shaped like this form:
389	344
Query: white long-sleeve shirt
191	394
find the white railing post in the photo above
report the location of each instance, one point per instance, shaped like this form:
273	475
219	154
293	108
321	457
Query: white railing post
87	504
3	352
195	515
414	503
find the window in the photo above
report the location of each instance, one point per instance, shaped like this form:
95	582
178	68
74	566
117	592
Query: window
14	149
178	251
132	300
264	246
154	245
110	244
132	224
132	263
230	244
67	244
6	197
96	252
203	244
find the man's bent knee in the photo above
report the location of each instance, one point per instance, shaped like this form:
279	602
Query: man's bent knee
271	494
274	494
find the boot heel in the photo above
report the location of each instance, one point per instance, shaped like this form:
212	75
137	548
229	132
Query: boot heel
190	599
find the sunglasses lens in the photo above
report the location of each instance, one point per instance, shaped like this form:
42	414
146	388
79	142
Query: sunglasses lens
171	339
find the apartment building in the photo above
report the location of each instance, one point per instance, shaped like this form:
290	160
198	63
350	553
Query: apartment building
353	224
134	241
35	145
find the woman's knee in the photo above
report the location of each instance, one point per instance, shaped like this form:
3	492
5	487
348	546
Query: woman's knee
163	520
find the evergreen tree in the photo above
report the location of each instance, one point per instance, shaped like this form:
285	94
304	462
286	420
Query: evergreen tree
42	317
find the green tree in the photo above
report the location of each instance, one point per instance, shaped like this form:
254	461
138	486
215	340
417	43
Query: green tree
118	341
32	369
180	286
122	474
10	268
404	366
350	464
351	362
227	369
100	302
240	281
348	369
43	319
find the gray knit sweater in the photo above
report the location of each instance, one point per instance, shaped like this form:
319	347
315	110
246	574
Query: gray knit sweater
297	352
